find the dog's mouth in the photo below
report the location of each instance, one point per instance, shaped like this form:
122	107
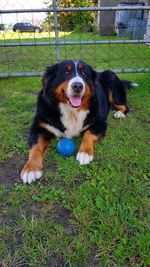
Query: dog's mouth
74	100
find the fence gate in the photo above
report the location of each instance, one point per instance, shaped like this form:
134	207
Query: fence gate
59	35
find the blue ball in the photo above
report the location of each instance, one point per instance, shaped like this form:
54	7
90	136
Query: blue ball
65	147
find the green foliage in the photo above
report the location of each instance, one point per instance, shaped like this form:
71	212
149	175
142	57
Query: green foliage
47	25
48	194
83	21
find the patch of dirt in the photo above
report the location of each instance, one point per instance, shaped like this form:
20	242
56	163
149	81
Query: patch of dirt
93	260
50	165
144	121
57	261
63	216
10	170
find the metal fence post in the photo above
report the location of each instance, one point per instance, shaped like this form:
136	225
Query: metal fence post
56	31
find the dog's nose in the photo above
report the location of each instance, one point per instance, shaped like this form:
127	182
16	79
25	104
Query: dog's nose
77	87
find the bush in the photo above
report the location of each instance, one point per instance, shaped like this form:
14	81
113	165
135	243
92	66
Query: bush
78	20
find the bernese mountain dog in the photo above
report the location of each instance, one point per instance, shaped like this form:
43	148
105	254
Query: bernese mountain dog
75	99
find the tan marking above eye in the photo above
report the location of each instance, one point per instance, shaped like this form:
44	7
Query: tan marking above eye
81	67
68	68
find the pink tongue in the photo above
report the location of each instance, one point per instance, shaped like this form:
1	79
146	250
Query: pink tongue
75	101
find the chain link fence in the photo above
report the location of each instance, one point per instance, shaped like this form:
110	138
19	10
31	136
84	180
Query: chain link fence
34	34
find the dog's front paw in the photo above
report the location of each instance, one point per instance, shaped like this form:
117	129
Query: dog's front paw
30	173
84	158
119	115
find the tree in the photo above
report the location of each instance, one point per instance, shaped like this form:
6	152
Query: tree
77	20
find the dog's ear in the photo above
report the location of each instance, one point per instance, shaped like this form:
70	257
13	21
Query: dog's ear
47	83
49	75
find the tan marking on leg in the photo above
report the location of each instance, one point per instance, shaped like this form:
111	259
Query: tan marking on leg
88	141
86	150
110	97
33	168
36	153
121	108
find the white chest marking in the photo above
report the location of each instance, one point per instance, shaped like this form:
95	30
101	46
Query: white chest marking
72	120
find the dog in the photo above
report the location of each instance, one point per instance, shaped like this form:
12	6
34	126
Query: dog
75	99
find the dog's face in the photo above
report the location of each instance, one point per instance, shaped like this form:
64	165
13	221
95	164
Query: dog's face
70	82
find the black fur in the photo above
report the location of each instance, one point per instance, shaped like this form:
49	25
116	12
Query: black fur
110	82
100	83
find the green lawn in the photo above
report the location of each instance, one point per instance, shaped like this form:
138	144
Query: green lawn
25	59
96	215
87	216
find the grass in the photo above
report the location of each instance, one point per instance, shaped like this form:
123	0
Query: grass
95	215
25	59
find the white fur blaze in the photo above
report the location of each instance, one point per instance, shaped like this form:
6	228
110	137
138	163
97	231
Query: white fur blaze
119	115
84	158
31	176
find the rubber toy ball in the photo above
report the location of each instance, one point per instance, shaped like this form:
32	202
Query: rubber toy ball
65	147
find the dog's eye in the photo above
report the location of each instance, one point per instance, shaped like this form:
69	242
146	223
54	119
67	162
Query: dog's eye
83	72
66	72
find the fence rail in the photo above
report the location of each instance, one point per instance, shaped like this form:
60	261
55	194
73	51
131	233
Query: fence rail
38	74
74	9
76	43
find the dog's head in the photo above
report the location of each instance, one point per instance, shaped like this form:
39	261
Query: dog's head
70	82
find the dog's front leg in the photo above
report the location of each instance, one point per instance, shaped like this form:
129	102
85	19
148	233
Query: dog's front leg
86	151
33	168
